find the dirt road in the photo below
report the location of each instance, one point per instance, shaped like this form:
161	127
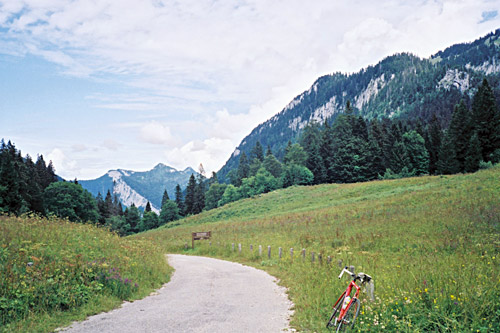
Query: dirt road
204	295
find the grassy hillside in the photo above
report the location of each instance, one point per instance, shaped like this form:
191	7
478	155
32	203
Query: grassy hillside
431	243
53	272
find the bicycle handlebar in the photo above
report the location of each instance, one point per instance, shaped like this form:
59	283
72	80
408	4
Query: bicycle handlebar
345	270
361	276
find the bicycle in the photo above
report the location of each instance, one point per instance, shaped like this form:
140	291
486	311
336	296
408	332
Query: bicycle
347	307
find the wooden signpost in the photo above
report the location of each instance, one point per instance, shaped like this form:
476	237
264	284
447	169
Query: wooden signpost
199	236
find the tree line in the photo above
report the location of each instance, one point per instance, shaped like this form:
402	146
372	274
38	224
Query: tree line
349	150
353	149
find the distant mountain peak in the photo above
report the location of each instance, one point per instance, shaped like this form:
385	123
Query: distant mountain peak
139	187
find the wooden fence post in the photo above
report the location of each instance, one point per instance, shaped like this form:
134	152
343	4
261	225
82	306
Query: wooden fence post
260	250
239	248
269	251
291	253
312	256
303	254
280	251
329	260
320	258
251	247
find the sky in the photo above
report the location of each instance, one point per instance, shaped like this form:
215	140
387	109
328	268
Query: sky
95	85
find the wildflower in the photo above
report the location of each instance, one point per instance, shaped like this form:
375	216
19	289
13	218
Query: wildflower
425	290
452	297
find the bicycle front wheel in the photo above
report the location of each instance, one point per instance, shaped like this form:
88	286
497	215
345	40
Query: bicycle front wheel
336	310
350	316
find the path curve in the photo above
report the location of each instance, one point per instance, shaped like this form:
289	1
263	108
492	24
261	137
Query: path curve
204	295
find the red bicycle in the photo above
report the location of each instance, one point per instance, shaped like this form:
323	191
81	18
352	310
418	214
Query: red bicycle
347	307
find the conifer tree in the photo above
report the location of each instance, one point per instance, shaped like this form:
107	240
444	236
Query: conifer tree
433	143
169	212
326	152
243	168
310	140
254	167
189	201
148	208
199	195
460	132
447	163
257	152
179	199
486	117
117	206
164	198
133	218
417	153
272	165
473	156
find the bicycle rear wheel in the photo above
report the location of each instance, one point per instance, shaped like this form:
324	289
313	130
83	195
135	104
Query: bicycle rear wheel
336	309
350	316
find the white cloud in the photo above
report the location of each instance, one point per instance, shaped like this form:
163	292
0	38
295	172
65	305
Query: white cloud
156	133
111	144
63	165
206	73
212	153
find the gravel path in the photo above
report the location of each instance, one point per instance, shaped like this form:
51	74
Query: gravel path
204	295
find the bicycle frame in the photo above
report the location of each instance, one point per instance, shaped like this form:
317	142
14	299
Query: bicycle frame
347	292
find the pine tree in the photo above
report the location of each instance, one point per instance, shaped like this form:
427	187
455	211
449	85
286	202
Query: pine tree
473	156
117	206
179	199
447	163
416	152
133	218
148	208
164	198
460	132
433	143
35	194
310	140
169	212
486	117
189	201
257	152
199	195
243	168
272	165
10	187
295	155
254	167
326	152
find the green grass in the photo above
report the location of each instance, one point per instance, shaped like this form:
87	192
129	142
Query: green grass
431	244
54	272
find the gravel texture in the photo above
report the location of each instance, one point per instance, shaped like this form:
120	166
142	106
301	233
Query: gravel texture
204	295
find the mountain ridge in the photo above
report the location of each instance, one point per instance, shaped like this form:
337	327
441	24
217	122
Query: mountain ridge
139	187
399	86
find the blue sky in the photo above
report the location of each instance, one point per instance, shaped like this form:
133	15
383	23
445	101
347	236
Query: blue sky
128	84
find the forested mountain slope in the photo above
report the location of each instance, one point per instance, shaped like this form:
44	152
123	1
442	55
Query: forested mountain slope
400	86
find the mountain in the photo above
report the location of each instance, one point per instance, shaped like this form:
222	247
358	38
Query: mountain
400	86
139	187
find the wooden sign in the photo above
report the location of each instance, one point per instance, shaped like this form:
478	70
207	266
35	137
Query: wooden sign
199	236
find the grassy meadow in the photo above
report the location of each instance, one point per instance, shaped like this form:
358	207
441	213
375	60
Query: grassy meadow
432	245
54	272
